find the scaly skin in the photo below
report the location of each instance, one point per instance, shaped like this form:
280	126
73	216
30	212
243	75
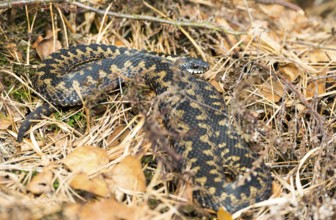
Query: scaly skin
196	114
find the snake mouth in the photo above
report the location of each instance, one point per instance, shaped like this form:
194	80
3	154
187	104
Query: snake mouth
194	65
193	71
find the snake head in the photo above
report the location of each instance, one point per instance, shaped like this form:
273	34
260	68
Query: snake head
193	65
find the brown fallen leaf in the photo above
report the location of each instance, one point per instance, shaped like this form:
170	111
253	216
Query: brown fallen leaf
226	45
274	11
272	90
317	87
320	55
28	145
4	123
96	185
276	189
290	70
223	215
119	43
87	159
117	136
1	87
185	190
13	50
59	140
47	45
105	209
268	41
293	20
217	86
42	182
127	175
300	107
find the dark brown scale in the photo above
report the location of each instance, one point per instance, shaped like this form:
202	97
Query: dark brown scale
194	107
44	109
196	114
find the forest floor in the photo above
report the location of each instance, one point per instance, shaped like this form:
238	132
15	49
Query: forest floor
274	65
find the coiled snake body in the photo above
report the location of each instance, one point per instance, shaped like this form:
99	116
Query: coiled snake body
208	143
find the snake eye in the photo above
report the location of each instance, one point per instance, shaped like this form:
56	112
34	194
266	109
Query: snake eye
194	65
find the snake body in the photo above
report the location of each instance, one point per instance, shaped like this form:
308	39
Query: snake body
193	110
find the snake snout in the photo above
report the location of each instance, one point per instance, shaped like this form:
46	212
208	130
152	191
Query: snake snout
194	65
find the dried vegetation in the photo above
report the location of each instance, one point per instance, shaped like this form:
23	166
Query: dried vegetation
275	66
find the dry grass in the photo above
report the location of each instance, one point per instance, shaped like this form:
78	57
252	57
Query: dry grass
280	92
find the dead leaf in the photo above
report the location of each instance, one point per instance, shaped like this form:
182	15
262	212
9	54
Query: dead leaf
217	86
264	39
14	51
1	87
117	136
97	2
272	90
222	22
317	87
276	189
96	185
290	103
38	40
291	20
28	145
185	190
127	175
59	140
225	45
189	11
290	70
274	10
106	209
42	182
87	159
4	123
47	45
119	43
320	55
223	215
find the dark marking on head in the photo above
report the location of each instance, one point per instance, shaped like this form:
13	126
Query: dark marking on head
194	65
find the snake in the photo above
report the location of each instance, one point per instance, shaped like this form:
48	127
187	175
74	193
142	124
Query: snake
225	171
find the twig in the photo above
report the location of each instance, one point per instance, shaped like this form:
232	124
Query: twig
311	45
319	119
280	2
13	3
184	31
203	24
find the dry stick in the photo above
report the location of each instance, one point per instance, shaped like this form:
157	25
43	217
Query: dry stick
53	26
317	46
203	24
206	25
11	3
198	48
280	2
64	25
18	3
318	117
